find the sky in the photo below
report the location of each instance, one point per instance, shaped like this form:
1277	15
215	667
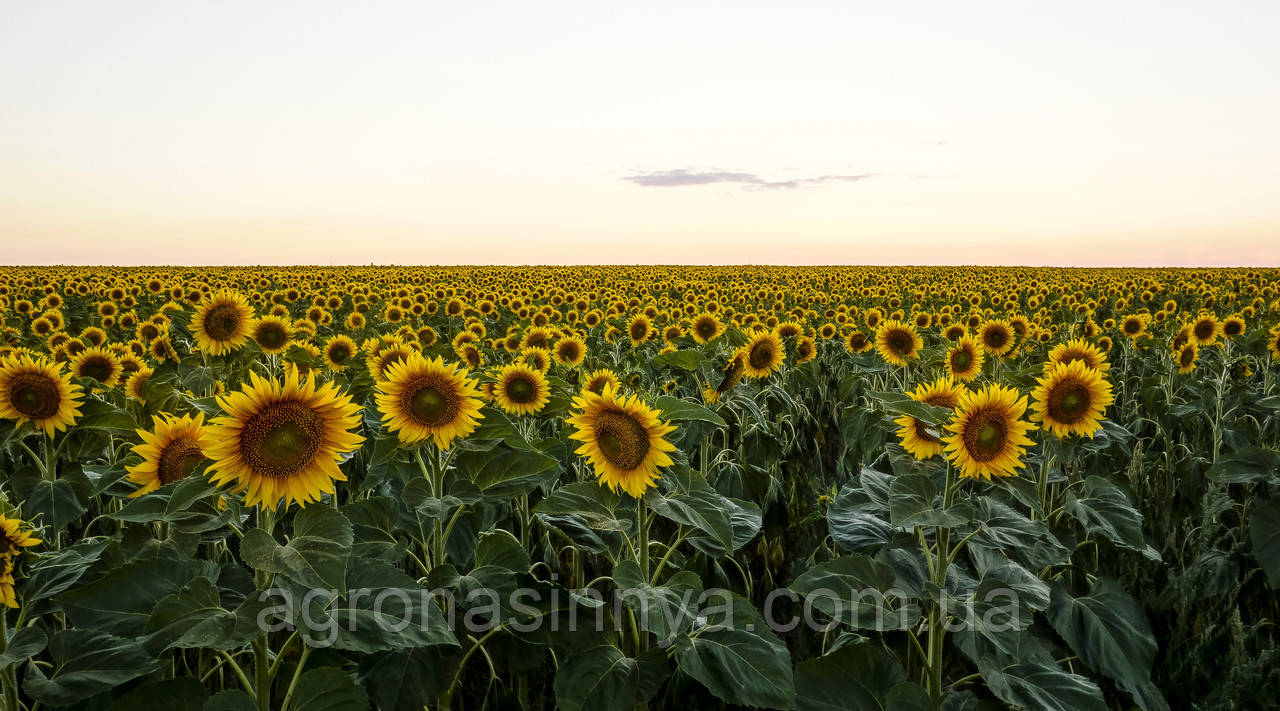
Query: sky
978	132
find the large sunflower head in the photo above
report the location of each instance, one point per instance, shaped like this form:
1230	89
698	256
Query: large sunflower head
965	358
1077	349
338	353
98	364
897	342
535	357
623	440
1273	343
857	342
39	391
1205	330
570	351
521	390
281	440
997	337
639	330
1070	399
424	399
597	381
919	438
272	334
1233	326
762	355
222	323
989	437
170	452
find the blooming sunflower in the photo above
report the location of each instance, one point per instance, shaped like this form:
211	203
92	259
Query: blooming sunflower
965	358
272	334
622	438
1233	326
170	452
388	356
98	364
1273	344
222	323
639	330
338	352
424	399
989	436
1205	330
916	436
897	342
534	357
137	382
569	351
762	355
997	337
281	440
596	382
1077	349
13	538
1186	357
521	390
39	391
1070	399
806	349
857	342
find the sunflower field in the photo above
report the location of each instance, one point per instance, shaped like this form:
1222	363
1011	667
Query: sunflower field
600	488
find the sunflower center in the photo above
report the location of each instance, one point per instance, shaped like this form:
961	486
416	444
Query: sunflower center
761	356
899	343
985	436
339	353
179	459
222	323
996	339
622	440
1204	329
282	439
520	390
97	367
569	352
1069	402
431	403
960	361
922	431
34	396
638	331
1187	357
271	337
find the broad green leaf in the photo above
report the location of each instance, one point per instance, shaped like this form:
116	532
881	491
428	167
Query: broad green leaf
181	694
192	617
900	404
500	548
703	509
912	503
857	591
598	679
1104	510
593	502
665	610
329	689
408	679
56	574
857	677
1264	534
168	503
316	555
739	667
230	700
54	502
856	523
687	359
676	410
507	472
86	663
1039	685
101	415
24	644
1248	465
121	602
381	619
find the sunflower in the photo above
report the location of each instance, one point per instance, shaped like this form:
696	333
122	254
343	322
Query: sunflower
570	351
916	436
762	355
539	358
1233	326
389	355
281	440
897	342
222	322
857	342
338	352
806	349
426	399
600	379
989	436
965	358
1077	349
1205	330
623	440
13	538
272	334
1070	399
170	452
39	391
98	364
521	390
1134	326
639	329
997	337
1186	357
137	382
1273	343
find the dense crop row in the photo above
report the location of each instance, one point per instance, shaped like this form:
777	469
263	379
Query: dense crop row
617	487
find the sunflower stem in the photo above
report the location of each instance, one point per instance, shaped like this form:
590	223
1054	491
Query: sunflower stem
642	517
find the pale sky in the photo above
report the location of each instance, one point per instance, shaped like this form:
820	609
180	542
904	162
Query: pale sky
1075	133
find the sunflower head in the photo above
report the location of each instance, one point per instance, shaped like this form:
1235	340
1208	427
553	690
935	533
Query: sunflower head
521	390
762	355
920	438
339	352
98	364
570	351
136	384
424	399
281	440
857	342
170	452
222	322
596	382
39	391
623	440
1185	357
988	435
534	357
997	337
965	358
806	349
1070	399
1077	349
272	334
897	342
1205	330
14	536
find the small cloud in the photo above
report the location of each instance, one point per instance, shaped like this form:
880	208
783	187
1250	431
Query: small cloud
681	177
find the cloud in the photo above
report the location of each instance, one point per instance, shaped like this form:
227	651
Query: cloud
681	177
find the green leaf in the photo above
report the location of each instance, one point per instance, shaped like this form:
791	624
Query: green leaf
508	472
1040	685
230	700
121	602
854	677
739	667
86	663
500	548
1248	465
181	694
676	410
665	610
855	521
56	574
689	360
381	619
316	555
1264	534
101	415
703	509
598	679
857	591
911	504
1104	510
593	502
55	502
409	679
171	502
192	617
329	689
23	645
900	404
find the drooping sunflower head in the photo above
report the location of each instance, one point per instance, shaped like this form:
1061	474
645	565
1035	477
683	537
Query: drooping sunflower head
762	355
339	352
597	381
1070	399
897	342
281	440
424	399
170	452
623	440
222	321
570	351
965	358
38	390
98	364
920	438
272	334
1077	349
997	337
521	390
988	435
